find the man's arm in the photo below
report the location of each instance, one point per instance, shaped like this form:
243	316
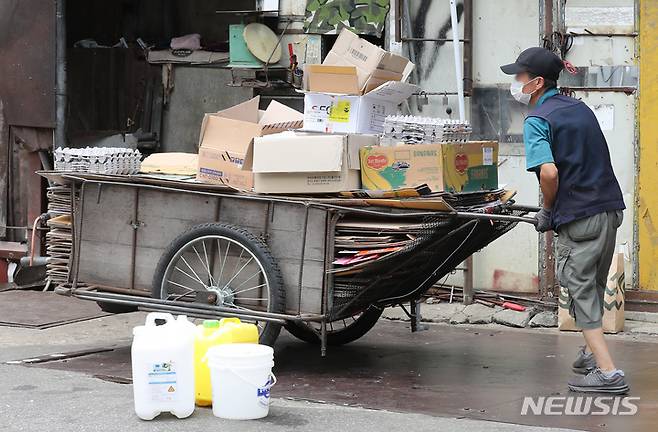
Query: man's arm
539	159
548	182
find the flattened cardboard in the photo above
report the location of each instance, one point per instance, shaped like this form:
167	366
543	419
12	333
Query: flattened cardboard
170	163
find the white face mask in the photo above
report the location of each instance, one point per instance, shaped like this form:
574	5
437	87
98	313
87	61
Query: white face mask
516	89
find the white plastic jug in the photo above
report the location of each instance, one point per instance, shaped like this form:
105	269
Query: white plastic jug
241	377
163	366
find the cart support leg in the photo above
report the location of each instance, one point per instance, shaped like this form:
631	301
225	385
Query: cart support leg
323	338
468	281
414	309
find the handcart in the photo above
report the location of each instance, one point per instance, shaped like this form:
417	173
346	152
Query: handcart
323	268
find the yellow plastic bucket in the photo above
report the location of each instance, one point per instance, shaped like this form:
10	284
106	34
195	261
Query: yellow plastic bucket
212	333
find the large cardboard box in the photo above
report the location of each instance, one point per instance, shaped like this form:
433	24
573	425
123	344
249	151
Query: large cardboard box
374	65
334	113
454	167
293	162
226	135
613	301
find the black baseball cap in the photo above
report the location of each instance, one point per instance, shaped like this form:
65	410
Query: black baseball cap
538	61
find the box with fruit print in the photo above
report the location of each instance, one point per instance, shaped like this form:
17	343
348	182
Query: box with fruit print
453	167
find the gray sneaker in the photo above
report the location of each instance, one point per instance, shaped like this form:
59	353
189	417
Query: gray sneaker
598	382
585	363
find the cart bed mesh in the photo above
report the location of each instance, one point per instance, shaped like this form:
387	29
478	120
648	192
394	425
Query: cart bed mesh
441	244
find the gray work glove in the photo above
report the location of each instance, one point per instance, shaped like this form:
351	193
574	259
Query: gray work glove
544	218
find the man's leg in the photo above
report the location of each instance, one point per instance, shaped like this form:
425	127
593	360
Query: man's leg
589	312
577	271
594	337
597	345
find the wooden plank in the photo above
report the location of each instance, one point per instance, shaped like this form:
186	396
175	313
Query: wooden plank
311	282
108	216
163	216
287	244
95	267
244	213
146	261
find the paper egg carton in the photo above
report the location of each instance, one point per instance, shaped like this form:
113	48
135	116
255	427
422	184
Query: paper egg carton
423	130
98	160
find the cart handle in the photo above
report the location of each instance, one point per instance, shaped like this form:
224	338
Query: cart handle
496	217
527	208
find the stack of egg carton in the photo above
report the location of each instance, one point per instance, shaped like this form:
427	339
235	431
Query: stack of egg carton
98	160
423	130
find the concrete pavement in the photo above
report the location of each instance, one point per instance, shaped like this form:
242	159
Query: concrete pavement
35	399
42	400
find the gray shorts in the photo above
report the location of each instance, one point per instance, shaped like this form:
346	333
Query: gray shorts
585	250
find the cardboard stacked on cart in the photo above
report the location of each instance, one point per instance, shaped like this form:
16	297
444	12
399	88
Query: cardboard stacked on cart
59	238
452	167
347	99
346	102
355	88
296	162
226	136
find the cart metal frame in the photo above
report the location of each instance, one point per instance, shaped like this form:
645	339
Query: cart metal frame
82	185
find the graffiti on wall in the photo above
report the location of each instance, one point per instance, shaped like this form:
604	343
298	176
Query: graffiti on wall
431	20
361	16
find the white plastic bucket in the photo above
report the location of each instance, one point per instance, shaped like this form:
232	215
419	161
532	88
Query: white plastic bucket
241	378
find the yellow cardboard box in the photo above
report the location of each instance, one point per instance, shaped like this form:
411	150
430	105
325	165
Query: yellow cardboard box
454	167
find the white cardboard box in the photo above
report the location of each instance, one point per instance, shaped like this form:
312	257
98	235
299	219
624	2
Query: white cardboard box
334	113
293	162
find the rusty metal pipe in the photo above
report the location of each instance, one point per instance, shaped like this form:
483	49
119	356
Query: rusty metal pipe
60	74
496	217
143	301
468	47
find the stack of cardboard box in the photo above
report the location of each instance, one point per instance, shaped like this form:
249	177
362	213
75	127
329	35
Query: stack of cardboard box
346	100
227	135
355	88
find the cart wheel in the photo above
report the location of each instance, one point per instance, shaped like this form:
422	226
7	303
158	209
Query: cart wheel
227	265
116	308
339	332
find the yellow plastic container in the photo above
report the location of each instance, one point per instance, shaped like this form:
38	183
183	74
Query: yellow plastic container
211	333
